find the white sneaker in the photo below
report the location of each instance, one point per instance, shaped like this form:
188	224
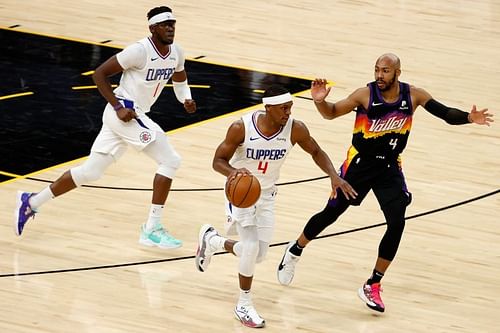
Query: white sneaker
205	250
249	316
286	268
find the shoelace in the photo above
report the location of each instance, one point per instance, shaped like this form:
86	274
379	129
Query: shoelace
250	311
29	212
375	290
289	266
162	232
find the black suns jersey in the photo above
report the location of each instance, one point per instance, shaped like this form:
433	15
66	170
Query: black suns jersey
383	129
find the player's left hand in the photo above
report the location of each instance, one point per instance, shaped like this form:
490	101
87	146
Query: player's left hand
345	187
480	117
190	105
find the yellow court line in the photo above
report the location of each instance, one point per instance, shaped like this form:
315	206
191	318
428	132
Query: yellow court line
16	95
5	173
18	177
88	73
61	37
90	87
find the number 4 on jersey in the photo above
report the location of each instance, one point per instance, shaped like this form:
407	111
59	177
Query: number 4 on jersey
393	143
263	166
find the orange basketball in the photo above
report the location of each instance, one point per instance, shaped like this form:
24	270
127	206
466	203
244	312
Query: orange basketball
243	191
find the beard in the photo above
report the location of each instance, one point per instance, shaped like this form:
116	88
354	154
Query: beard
389	84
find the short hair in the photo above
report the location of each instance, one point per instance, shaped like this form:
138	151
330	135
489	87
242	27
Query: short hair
158	10
275	90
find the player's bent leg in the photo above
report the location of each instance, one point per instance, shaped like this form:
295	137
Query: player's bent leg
92	169
168	162
205	249
165	155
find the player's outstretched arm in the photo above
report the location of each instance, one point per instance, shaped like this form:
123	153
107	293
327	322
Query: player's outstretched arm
319	91
451	115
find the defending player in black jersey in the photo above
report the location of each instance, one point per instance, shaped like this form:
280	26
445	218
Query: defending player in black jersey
384	111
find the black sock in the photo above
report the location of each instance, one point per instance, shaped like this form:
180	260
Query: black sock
375	278
296	249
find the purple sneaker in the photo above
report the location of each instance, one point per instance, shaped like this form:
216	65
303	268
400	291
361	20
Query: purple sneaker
23	211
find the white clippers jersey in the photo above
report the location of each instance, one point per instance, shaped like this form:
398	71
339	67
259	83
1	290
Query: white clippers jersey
145	72
261	155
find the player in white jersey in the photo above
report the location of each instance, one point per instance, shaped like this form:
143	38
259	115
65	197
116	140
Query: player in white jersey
147	66
258	144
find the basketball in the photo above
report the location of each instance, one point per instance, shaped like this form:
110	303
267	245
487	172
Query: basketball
243	191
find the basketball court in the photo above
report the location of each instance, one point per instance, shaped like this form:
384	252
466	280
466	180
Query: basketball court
78	266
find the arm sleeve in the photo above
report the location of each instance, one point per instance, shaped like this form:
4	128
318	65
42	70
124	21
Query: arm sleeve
182	59
451	115
133	56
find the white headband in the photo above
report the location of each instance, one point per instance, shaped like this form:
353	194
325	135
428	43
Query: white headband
165	16
275	100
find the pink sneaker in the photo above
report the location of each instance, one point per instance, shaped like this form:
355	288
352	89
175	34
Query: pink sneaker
370	294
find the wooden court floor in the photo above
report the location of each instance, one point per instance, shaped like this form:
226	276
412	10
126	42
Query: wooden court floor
445	277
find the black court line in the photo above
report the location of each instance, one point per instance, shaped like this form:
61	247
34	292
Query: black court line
305	97
272	245
174	189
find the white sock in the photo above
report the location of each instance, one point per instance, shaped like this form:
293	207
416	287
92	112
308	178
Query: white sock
155	215
245	298
41	197
218	242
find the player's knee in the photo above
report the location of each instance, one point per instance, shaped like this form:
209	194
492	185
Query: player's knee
168	165
92	169
248	258
250	249
168	169
318	222
84	174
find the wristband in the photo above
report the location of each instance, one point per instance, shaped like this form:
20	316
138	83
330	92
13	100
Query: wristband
469	118
118	106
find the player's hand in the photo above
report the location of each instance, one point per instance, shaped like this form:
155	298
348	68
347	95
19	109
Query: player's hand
190	105
319	90
126	115
480	117
236	172
345	187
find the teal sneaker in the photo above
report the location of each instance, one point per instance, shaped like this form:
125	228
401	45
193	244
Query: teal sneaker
159	237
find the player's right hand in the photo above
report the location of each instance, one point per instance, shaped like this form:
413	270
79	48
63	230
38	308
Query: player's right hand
319	90
235	172
126	115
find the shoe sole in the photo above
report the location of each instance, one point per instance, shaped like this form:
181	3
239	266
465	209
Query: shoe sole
203	230
361	294
19	203
290	244
149	243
